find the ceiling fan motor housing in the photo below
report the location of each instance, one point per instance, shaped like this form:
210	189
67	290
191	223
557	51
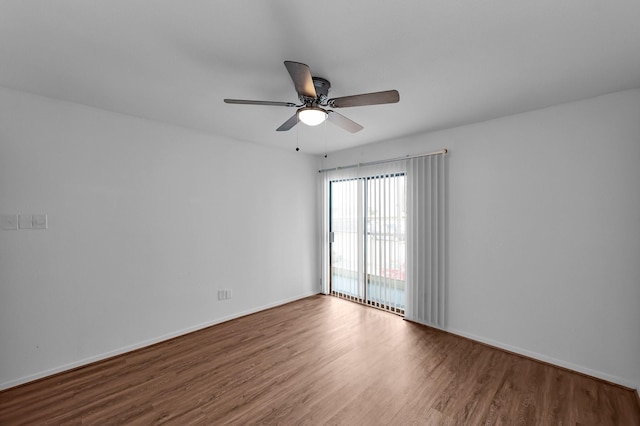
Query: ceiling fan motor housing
322	87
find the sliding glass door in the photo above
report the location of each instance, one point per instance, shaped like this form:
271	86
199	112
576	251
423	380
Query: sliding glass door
367	223
346	238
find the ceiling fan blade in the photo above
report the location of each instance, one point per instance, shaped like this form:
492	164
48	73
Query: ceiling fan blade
386	97
287	125
301	76
342	121
269	103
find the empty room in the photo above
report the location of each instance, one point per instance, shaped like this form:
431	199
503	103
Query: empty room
296	212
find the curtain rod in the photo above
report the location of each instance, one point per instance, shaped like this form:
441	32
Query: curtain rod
371	163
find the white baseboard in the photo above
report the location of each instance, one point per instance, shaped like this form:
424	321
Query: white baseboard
568	365
534	355
149	342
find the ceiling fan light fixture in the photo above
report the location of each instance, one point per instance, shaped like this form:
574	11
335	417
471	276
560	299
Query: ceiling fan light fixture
313	93
312	116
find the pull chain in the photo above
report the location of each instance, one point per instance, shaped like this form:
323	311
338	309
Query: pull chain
325	138
297	133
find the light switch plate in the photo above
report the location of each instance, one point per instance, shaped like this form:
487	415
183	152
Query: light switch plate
39	221
9	222
25	221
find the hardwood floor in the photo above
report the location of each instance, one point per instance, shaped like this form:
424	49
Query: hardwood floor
320	360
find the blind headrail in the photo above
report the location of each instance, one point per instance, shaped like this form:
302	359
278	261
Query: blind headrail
389	160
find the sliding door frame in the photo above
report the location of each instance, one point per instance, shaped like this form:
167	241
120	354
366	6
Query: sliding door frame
363	248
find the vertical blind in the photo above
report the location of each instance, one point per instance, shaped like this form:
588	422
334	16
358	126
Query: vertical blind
347	275
426	242
367	224
388	236
385	241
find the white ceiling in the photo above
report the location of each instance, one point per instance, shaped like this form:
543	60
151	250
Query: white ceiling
453	62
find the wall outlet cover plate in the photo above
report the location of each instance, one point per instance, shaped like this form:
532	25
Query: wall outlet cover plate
9	222
39	221
25	221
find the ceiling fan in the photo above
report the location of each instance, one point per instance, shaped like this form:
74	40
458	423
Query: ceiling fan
312	93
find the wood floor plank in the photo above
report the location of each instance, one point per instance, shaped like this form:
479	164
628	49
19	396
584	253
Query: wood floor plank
320	360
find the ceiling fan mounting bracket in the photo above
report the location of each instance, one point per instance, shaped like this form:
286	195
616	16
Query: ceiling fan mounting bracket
322	87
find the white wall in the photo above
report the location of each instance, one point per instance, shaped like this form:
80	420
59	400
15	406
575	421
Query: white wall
146	222
544	231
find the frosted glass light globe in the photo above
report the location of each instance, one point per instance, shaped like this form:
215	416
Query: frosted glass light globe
312	116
